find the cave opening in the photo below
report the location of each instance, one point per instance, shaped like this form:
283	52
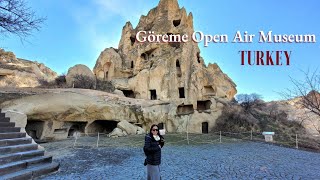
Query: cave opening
181	92
203	105
153	94
176	22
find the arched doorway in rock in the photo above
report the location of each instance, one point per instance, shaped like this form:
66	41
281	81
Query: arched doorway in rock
102	126
106	69
34	128
205	128
178	68
161	126
76	127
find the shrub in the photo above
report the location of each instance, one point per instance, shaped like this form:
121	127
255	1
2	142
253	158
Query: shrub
235	119
106	86
83	81
61	80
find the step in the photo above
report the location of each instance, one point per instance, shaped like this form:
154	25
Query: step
15	141
12	135
24	164
4	119
19	156
12	167
32	172
7	124
9	129
17	148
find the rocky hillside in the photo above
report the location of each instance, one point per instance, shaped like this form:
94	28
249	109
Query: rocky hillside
296	112
16	72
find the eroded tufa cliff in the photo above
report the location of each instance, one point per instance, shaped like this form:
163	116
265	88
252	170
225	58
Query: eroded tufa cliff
16	72
164	71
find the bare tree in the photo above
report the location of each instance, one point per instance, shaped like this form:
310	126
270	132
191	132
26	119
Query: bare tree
307	92
17	18
248	100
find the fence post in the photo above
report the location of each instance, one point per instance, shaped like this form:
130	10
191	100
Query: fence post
188	129
98	139
220	137
297	141
251	135
75	141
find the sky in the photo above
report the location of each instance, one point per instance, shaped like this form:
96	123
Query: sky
77	31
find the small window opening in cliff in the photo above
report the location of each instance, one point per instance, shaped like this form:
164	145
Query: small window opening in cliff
35	128
185	109
153	94
60	131
128	93
106	75
144	56
203	105
209	90
198	57
102	126
175	44
181	92
178	68
205	128
132	65
76	128
177	64
133	40
176	22
106	69
161	126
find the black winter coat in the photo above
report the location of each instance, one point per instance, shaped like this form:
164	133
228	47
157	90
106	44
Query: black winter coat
152	150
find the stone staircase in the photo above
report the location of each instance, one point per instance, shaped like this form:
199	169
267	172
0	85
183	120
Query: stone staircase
19	157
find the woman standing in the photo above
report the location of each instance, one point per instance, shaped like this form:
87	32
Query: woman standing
152	149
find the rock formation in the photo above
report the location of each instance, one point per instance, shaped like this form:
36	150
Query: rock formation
82	71
296	112
15	72
164	71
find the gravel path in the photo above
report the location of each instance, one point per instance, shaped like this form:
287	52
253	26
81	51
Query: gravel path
230	160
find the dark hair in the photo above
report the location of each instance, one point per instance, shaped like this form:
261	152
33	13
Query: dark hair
150	132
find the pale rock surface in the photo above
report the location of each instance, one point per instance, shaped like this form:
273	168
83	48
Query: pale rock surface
18	72
140	131
117	132
79	69
127	127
